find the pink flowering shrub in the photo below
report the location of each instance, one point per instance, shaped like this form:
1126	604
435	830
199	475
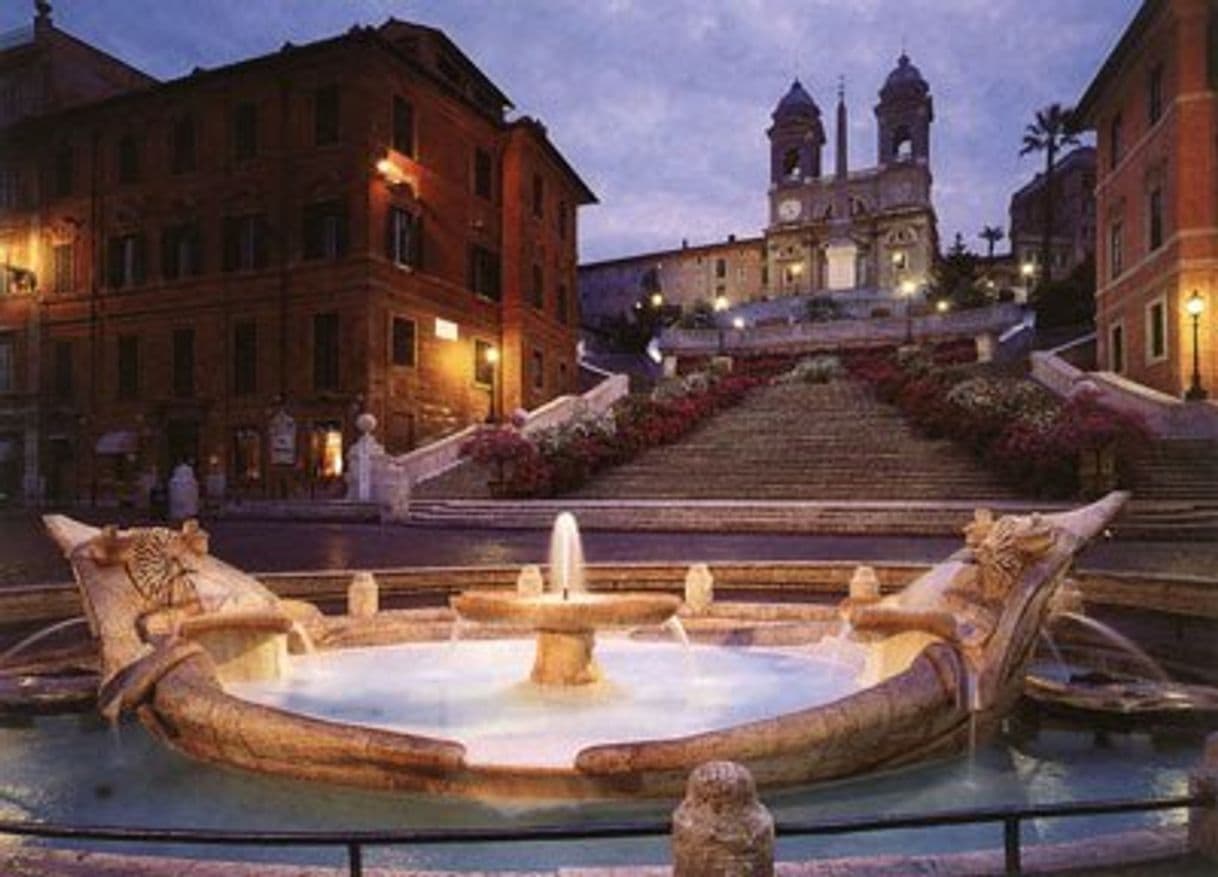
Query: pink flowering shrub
1030	438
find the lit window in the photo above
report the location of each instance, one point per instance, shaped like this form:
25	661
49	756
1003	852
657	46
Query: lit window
327	450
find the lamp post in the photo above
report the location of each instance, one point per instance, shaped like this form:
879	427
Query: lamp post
908	288
1196	307
492	359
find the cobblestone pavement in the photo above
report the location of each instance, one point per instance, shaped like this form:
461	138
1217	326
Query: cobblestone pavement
27	556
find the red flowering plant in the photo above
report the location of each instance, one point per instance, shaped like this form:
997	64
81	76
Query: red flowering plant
516	465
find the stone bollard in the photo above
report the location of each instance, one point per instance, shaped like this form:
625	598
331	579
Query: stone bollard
363	596
183	494
864	585
1203	821
699	588
530	582
721	829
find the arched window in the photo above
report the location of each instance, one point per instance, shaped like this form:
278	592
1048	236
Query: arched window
790	164
902	144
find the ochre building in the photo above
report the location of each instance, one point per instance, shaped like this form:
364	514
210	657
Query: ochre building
228	268
1154	109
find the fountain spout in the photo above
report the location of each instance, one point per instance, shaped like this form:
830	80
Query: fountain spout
566	557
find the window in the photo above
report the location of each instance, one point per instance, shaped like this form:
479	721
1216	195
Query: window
404	238
128	367
183	363
246	241
1116	250
7	377
64	260
539	196
537	370
403	342
63	172
325	351
403	126
245	358
1115	144
1154	94
483	277
128	159
1156	330
125	260
538	293
63	370
10	188
1156	219
902	144
1116	348
325	230
247	454
182	145
483	174
325	115
561	304
181	251
721	268
484	369
245	131
790	164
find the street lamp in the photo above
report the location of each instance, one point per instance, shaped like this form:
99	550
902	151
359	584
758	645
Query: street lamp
943	306
721	303
908	288
738	323
492	359
657	300
1196	307
1027	271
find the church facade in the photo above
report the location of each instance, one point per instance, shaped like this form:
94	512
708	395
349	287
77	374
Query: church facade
859	235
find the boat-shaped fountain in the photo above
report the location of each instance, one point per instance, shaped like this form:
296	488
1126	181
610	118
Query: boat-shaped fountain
218	667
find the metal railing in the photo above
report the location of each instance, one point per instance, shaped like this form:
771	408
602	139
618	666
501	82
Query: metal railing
355	842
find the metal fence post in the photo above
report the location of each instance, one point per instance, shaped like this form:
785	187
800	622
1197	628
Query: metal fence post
1010	843
355	860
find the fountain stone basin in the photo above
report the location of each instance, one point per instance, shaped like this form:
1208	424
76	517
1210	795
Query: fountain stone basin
566	625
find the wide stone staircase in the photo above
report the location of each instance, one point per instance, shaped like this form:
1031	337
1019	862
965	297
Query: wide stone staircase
1175	486
803	442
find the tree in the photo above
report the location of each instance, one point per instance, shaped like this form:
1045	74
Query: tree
1053	129
955	279
991	234
1069	302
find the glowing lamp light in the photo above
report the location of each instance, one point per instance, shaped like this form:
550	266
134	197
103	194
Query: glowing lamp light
657	300
797	269
1027	269
446	330
1195	305
738	323
908	288
943	306
391	173
721	303
492	355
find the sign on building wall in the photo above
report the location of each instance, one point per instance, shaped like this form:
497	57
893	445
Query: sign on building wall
282	435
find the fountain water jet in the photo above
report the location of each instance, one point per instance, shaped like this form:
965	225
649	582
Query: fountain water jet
39	636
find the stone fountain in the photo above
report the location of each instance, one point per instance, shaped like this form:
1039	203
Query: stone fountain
566	617
216	666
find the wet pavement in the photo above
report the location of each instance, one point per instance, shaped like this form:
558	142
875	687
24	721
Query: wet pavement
27	555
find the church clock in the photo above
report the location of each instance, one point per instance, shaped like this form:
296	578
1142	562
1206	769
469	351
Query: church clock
789	210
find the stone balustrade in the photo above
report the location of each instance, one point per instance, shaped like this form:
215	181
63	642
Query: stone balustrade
795	337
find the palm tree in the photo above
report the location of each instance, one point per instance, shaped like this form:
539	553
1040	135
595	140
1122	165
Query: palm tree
1053	130
991	234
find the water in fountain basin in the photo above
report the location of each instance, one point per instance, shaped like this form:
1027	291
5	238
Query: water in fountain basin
1056	652
566	557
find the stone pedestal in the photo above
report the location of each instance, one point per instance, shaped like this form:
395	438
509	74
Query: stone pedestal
1203	821
363	596
721	829
564	658
530	582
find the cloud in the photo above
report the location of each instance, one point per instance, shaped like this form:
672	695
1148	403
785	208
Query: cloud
663	107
